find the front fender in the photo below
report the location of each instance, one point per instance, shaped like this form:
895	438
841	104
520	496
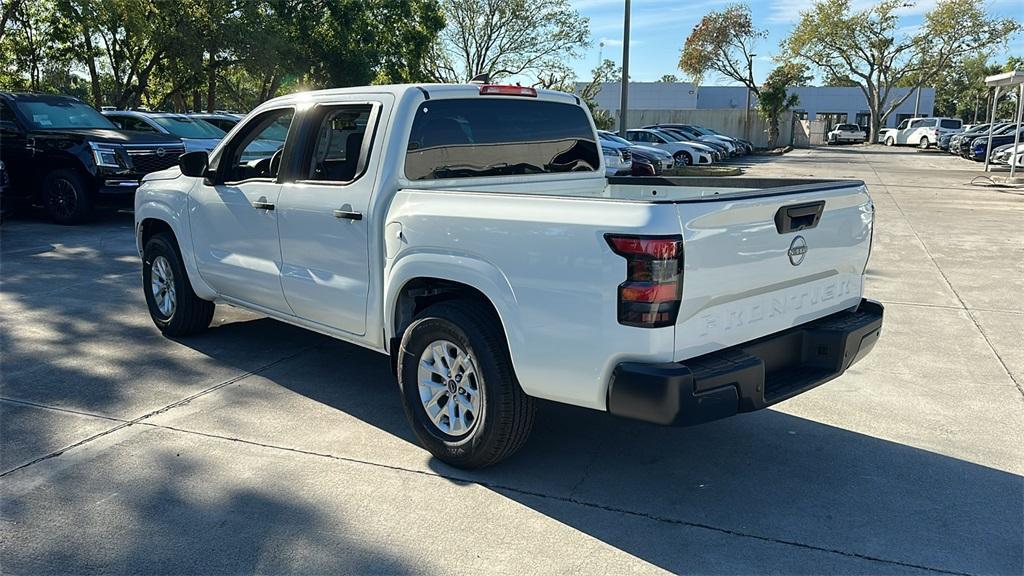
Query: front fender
464	269
171	208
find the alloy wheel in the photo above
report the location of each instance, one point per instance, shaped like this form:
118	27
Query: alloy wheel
161	284
449	388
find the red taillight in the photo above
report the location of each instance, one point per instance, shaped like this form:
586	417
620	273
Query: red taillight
499	90
653	290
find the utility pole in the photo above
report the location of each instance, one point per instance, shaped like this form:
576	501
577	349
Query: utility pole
917	102
624	97
746	119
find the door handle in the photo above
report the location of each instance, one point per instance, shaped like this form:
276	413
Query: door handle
259	205
348	214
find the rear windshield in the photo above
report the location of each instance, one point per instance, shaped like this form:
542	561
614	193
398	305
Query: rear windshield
499	136
950	124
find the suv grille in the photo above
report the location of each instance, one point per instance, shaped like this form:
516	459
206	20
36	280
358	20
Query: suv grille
146	159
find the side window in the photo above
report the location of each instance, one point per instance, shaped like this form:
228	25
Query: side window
954	124
337	150
930	123
7	119
135	124
257	151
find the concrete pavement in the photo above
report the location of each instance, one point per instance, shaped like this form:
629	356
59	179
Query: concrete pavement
258	447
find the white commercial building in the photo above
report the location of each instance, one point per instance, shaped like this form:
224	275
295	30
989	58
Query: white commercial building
832	104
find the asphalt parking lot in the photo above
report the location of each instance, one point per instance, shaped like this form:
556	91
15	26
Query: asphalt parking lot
258	447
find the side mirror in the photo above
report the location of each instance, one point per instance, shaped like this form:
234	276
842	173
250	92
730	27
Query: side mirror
193	164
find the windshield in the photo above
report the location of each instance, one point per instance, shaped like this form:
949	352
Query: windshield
185	127
59	113
701	131
616	139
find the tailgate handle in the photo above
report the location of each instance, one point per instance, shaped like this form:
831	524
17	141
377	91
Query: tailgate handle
798	216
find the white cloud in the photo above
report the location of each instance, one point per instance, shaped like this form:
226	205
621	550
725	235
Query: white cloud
784	11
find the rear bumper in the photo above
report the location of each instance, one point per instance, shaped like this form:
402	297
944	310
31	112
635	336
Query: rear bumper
748	376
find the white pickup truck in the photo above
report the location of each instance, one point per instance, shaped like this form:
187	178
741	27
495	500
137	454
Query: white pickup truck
469	231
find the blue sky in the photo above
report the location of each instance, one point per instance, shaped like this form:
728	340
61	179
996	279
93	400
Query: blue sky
659	28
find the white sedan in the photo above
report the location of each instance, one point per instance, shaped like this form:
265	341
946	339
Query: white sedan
685	153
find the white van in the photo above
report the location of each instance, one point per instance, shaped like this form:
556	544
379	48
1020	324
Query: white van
920	132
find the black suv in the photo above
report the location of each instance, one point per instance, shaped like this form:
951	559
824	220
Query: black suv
60	152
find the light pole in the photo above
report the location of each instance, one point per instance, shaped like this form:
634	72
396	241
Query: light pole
624	95
746	120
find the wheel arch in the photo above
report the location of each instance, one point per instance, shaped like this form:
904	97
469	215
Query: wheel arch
152	217
420	280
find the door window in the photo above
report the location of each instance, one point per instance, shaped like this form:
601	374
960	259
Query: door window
7	120
129	123
257	151
337	151
928	123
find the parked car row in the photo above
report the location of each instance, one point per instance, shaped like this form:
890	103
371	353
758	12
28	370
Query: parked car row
59	152
974	144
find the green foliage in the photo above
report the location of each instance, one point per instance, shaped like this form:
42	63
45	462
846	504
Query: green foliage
723	42
774	99
506	38
669	78
873	50
192	54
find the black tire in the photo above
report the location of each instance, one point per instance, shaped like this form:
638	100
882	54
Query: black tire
190	314
66	197
890	141
684	158
506	414
924	143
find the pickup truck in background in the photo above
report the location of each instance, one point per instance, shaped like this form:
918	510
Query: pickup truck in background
849	133
920	132
469	232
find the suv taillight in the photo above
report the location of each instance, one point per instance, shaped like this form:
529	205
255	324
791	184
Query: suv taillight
650	296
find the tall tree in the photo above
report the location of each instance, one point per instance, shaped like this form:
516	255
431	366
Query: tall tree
669	78
506	38
775	98
872	48
723	42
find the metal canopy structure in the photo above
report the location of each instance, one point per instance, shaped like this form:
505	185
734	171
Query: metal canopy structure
1006	81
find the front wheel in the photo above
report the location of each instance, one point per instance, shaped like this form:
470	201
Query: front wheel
66	197
684	158
459	391
173	305
890	141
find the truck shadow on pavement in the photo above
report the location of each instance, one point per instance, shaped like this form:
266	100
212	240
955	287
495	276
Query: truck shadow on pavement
762	480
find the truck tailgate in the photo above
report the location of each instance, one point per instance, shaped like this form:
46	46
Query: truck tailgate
756	264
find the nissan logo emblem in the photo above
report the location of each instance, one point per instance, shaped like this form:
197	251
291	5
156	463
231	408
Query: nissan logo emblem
797	250
160	152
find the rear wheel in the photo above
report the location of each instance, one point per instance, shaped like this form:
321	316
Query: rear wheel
173	305
66	197
924	143
684	158
459	390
